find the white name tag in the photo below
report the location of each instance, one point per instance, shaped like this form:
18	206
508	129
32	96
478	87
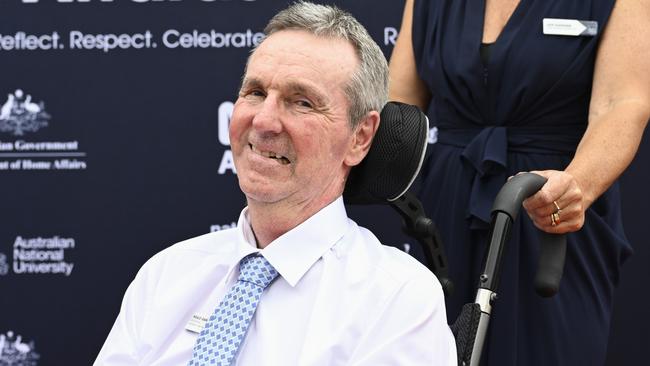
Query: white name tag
196	323
569	27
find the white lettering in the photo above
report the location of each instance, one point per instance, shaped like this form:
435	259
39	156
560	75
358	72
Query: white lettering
108	42
224	115
214	228
21	145
110	1
144	1
24	41
67	164
42	255
173	38
167	42
432	136
79	1
41	268
54	242
38	255
390	36
238	40
227	163
28	164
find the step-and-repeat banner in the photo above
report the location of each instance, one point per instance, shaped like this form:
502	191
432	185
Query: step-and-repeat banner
114	145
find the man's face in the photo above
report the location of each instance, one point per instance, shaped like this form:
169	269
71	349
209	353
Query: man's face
289	131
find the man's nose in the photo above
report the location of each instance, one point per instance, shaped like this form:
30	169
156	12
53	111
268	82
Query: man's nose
267	118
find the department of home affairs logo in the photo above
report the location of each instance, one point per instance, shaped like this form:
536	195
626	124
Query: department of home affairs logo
14	352
19	114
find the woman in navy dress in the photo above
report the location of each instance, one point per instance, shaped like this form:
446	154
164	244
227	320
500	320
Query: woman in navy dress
509	94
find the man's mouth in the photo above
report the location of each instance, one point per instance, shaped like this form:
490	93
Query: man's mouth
270	154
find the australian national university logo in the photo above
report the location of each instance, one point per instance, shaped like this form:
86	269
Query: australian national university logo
21	117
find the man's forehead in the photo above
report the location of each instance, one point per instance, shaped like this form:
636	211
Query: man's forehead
302	46
301	61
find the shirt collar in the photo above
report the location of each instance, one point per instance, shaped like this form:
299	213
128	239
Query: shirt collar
296	251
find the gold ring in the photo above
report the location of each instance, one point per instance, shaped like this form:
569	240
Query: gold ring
557	206
555	218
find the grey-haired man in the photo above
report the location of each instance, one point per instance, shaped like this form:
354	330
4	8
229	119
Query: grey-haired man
296	282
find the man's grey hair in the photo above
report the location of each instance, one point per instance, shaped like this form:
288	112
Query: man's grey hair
367	89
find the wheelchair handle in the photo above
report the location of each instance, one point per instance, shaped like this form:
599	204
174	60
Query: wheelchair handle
553	246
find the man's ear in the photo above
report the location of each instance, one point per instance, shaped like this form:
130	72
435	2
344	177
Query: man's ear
362	138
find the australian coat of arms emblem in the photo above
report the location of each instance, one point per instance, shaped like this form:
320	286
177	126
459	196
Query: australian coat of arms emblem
19	114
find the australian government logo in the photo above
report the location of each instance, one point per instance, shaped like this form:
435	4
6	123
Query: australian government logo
39	256
15	351
19	114
21	118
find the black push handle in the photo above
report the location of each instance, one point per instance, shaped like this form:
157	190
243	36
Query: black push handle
551	264
553	246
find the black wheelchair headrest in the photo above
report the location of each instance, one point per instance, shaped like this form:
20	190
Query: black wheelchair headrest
394	159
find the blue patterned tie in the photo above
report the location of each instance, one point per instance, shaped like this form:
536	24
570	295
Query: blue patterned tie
220	338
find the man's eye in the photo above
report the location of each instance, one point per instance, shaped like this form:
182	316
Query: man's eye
256	93
304	103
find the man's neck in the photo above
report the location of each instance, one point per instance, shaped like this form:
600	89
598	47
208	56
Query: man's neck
270	221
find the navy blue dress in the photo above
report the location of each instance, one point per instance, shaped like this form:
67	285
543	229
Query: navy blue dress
526	109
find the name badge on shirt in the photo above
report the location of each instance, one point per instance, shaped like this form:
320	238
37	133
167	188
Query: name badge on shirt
569	27
196	323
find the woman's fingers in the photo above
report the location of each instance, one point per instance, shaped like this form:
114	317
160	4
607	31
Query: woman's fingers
558	206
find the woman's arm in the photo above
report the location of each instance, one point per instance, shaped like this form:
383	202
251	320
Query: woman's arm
618	114
405	84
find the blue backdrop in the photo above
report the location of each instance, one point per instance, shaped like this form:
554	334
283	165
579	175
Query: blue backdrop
114	145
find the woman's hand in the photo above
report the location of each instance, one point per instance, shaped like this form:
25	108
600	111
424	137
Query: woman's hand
559	207
618	113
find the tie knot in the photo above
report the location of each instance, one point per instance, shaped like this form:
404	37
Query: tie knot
256	269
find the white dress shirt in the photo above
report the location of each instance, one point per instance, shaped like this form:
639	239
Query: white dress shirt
341	298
